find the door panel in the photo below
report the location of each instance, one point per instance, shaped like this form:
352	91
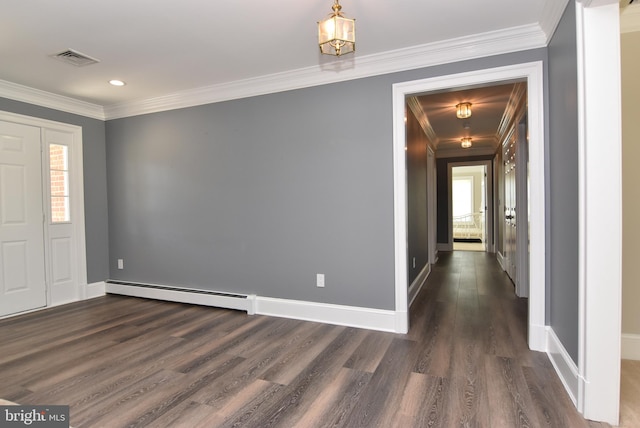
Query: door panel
22	283
64	277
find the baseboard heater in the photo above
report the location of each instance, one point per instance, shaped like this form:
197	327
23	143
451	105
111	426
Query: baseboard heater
242	302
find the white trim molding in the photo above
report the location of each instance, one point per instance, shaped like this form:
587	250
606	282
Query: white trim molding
533	72
183	295
427	55
566	368
352	316
631	346
442	52
500	259
418	283
95	289
600	203
14	91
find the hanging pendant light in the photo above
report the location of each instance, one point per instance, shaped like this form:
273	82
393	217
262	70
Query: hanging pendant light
465	142
463	110
337	34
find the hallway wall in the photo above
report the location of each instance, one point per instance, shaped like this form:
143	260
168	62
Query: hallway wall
417	216
562	224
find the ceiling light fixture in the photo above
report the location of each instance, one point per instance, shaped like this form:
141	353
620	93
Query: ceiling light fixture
337	34
116	82
466	142
463	110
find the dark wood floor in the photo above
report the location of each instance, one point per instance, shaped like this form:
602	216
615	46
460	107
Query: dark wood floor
122	361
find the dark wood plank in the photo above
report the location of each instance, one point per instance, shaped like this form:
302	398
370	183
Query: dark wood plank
382	396
510	399
424	402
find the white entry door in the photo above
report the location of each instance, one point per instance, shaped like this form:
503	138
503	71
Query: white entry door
22	259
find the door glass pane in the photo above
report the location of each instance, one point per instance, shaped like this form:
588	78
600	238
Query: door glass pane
59	182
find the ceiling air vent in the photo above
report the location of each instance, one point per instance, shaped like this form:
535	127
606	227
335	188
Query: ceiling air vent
74	58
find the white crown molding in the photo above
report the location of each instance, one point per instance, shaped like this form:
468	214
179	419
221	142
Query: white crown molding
464	48
423	120
551	15
442	52
29	95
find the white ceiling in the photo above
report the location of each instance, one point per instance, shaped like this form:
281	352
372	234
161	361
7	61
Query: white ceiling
188	52
162	47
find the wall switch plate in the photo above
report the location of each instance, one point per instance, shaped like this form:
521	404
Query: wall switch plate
120	264
320	280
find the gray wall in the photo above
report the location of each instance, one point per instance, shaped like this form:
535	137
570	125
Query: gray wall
562	222
95	181
260	194
417	220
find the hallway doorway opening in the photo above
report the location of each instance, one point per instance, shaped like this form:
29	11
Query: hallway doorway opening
532	73
468	198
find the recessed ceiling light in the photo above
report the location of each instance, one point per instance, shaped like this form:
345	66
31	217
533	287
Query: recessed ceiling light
116	82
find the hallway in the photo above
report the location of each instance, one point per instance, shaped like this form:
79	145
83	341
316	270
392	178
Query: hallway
473	328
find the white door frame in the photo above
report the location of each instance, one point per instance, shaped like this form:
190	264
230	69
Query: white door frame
600	203
533	73
76	202
488	194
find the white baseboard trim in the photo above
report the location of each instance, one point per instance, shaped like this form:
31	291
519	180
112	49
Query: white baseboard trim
95	289
631	346
500	258
564	365
444	246
184	295
416	285
538	338
352	316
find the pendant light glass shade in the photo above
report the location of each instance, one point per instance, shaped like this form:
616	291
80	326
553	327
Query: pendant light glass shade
337	34
465	142
463	110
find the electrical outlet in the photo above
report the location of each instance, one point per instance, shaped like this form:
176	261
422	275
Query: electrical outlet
120	264
320	280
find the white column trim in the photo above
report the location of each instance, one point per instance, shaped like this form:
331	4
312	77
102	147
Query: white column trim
600	208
